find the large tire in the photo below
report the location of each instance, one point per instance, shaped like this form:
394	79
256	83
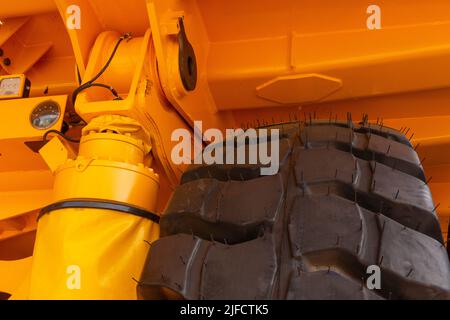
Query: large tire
345	197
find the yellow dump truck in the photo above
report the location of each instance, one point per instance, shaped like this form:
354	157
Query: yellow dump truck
212	149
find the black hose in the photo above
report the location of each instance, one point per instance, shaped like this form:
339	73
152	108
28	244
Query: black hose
91	83
45	138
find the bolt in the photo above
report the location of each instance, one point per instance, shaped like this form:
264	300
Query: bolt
7	61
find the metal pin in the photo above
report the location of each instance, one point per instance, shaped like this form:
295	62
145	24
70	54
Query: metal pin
149	243
365	119
351	141
409	273
396	195
417	146
435	208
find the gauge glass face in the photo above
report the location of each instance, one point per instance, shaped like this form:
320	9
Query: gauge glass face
10	86
45	115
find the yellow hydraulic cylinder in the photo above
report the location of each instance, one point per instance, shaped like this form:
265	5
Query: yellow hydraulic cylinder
92	241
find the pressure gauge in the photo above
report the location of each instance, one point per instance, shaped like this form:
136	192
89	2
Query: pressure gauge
45	115
14	86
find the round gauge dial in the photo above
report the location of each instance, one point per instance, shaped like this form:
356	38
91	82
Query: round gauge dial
45	115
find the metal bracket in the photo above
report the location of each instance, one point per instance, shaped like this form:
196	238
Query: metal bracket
187	60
